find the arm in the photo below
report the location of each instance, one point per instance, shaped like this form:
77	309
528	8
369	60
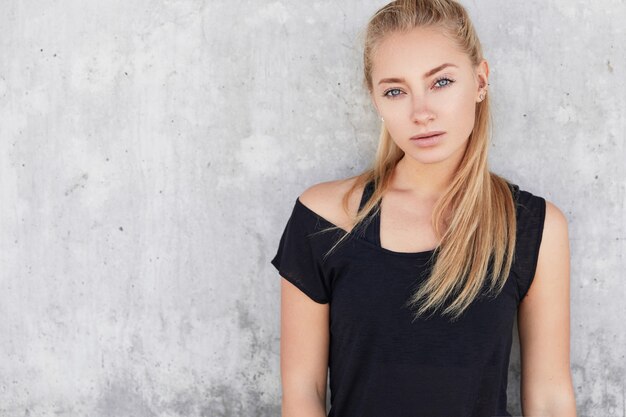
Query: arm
304	344
544	326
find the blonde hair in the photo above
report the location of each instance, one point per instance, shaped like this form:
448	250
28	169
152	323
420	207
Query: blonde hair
480	226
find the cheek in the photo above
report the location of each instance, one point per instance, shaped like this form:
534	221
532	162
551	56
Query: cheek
460	100
461	109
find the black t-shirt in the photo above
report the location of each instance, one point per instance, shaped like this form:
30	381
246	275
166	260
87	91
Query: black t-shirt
383	364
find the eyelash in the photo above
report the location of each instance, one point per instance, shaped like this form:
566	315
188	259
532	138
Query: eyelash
446	78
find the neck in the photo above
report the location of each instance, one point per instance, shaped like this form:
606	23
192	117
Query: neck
424	181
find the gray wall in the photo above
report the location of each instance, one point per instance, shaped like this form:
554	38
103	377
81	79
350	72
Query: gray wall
151	151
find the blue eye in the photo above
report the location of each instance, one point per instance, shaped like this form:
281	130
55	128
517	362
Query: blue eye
386	93
449	82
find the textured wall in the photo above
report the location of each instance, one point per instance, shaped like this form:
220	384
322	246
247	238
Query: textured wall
151	151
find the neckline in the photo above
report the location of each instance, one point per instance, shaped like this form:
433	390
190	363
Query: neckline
427	253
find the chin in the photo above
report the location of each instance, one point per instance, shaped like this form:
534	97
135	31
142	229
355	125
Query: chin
437	153
431	156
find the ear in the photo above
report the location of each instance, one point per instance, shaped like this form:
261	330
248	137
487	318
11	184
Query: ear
482	73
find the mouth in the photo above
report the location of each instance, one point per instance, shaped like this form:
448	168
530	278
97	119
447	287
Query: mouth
427	135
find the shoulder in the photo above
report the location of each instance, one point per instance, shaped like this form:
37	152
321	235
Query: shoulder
530	208
542	238
555	216
552	216
543	212
555	229
550	225
326	199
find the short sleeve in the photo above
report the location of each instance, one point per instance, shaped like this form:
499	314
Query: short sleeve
531	212
299	255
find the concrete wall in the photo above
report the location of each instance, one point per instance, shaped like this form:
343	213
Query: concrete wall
150	153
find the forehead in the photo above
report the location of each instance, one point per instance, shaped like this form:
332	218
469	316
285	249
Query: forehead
415	52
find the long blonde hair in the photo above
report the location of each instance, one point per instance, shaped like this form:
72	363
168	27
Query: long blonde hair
481	225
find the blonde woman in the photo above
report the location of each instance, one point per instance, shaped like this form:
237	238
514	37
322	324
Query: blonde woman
404	282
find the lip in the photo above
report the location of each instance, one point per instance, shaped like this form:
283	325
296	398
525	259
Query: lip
426	141
427	135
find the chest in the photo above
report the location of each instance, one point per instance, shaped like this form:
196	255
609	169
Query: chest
369	313
406	227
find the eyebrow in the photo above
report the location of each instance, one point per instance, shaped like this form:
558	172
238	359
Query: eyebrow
428	74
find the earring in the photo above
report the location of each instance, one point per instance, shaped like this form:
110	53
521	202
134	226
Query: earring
383	119
482	96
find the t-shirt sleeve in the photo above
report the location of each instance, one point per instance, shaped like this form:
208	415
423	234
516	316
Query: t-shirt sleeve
531	212
299	256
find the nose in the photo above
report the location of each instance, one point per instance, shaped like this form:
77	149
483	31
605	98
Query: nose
420	111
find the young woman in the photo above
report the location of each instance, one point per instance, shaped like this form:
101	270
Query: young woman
405	281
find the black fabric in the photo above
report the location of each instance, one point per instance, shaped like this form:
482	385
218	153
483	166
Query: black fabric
383	364
372	228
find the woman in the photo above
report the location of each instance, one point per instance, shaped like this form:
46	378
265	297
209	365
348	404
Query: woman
411	301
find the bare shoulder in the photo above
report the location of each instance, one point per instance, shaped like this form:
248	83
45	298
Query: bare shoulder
555	224
325	199
554	253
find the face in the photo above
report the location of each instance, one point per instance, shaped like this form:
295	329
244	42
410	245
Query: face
415	92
